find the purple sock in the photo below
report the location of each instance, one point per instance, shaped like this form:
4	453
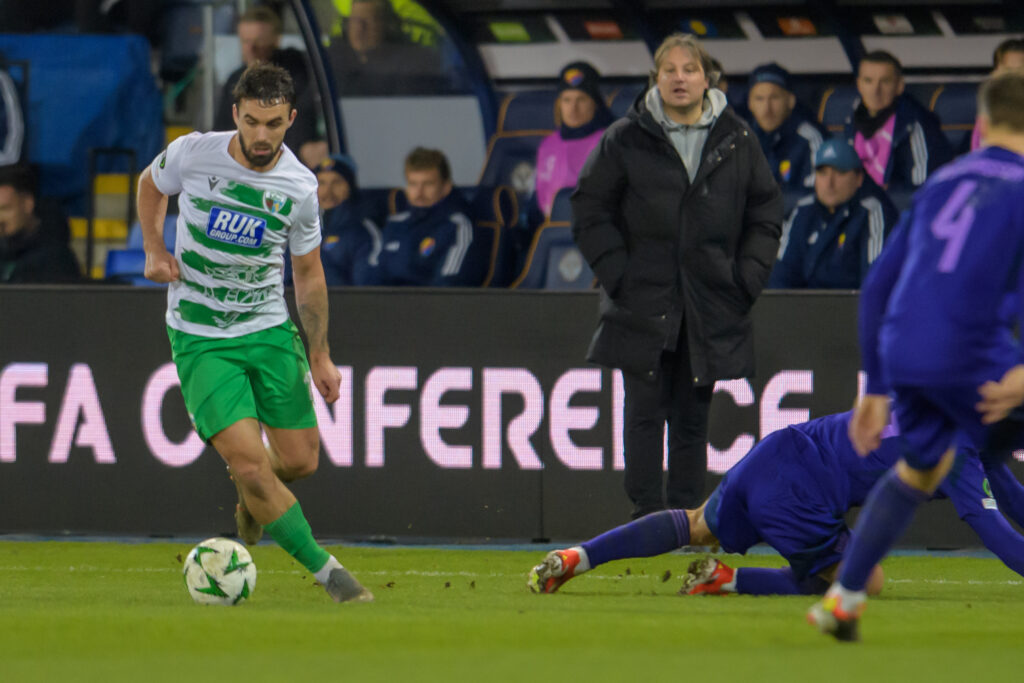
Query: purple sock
757	581
885	516
653	534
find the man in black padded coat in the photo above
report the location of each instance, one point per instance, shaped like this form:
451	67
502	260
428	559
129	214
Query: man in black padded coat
678	215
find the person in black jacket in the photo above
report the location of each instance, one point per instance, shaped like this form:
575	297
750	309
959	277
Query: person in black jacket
33	244
678	214
259	34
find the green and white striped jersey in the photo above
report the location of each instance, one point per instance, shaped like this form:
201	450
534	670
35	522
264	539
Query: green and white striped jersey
233	226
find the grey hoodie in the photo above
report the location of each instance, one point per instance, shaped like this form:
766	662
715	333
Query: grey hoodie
688	140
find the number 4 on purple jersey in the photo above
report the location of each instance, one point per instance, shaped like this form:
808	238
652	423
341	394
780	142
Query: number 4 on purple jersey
953	223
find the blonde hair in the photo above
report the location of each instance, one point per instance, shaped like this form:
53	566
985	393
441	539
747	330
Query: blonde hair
687	41
1001	99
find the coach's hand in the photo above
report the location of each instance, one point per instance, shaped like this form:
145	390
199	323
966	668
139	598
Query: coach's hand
999	398
325	376
870	416
161	266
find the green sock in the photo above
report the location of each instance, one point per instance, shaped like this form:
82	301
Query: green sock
292	532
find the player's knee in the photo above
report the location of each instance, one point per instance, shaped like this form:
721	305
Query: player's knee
876	581
252	475
305	467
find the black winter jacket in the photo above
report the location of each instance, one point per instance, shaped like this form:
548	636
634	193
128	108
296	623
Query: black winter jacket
665	249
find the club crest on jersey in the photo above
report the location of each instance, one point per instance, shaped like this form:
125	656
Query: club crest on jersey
234	227
274	201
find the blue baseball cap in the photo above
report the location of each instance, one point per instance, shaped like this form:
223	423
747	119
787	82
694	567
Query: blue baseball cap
771	73
342	164
837	153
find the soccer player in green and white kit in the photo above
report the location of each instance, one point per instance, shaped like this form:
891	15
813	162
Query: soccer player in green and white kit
244	197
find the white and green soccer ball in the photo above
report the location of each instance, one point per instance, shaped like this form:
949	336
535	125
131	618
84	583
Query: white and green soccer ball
219	571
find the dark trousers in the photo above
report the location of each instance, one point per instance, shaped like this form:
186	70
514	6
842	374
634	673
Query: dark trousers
672	398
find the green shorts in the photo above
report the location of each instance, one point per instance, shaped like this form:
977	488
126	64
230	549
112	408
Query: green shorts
263	375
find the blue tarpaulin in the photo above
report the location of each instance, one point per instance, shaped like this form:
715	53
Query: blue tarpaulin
86	91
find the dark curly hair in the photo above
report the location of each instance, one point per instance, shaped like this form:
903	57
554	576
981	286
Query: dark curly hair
265	82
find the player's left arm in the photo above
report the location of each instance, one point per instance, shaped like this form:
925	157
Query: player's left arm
311	300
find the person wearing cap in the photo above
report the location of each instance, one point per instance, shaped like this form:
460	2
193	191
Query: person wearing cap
678	215
788	133
834	234
897	139
582	117
350	226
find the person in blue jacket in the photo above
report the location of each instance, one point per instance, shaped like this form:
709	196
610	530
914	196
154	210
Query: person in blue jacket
350	224
432	243
792	491
834	234
898	140
788	133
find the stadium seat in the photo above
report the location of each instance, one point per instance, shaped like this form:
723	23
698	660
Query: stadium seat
561	209
554	262
622	99
126	266
530	111
170	233
836	105
956	106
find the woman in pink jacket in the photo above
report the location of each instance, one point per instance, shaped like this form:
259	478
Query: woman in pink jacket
582	117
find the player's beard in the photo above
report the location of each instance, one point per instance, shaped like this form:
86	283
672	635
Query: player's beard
257	159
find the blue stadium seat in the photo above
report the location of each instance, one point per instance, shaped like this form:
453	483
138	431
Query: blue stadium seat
125	266
170	233
561	210
956	106
528	111
836	105
622	99
554	262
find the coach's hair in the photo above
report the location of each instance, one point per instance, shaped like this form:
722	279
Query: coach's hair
883	57
20	177
261	14
687	41
1008	45
423	159
1001	99
265	83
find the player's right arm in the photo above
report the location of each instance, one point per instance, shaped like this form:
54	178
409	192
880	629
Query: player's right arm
161	266
871	414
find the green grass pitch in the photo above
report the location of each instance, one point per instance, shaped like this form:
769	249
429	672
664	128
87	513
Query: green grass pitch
120	612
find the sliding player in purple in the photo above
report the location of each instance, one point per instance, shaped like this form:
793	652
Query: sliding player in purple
792	491
937	336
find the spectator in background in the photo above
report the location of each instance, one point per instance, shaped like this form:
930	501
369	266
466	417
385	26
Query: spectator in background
374	57
1009	54
430	244
789	136
835	233
582	117
898	140
32	250
678	215
350	230
723	84
259	35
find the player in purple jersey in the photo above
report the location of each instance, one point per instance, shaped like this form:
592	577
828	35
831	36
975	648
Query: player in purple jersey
792	492
936	334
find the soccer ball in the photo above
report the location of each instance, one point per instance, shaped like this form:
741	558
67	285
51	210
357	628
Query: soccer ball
219	571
